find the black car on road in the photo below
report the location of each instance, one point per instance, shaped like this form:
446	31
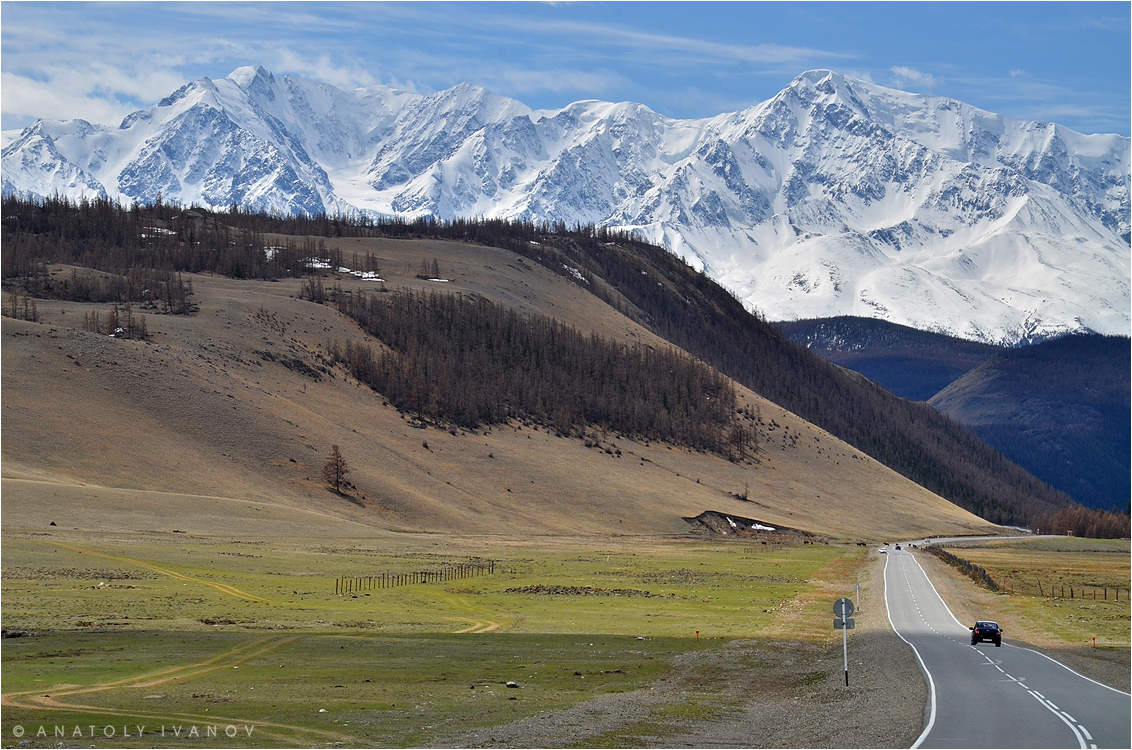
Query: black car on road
985	630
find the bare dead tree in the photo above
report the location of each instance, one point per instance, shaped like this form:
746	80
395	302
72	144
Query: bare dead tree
334	471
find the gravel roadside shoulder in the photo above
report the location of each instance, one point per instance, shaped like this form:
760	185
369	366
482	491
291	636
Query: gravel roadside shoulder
754	692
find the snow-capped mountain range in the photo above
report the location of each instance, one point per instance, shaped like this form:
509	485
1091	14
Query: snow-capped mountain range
835	197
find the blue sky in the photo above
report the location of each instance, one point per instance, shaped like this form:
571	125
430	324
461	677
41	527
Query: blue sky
1064	62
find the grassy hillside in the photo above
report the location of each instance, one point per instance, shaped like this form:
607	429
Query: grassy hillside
644	283
220	423
652	286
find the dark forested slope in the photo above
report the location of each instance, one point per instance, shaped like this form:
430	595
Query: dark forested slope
1060	408
911	363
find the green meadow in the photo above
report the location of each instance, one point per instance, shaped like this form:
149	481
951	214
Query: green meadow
171	631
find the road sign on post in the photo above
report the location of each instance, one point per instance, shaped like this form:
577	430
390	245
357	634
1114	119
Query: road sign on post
843	608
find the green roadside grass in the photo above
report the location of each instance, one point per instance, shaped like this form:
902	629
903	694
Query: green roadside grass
392	691
675	589
1087	566
387	665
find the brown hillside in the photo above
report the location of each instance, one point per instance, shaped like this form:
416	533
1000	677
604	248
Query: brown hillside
218	426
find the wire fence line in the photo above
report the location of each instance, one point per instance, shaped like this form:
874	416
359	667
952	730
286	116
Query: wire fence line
448	572
1061	590
1029	586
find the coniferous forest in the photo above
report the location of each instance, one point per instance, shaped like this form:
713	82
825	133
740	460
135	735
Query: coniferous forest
643	281
471	361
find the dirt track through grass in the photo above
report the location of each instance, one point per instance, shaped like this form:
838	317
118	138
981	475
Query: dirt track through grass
223	588
233	658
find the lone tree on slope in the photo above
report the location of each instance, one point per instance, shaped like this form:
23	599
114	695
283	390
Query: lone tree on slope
334	471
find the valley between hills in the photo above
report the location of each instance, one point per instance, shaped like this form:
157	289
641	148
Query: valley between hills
173	558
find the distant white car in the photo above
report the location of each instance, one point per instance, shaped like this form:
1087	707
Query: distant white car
882	550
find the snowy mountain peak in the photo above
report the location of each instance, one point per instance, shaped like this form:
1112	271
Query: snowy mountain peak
249	75
835	196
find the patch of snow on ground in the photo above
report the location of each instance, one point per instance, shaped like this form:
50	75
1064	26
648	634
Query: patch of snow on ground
760	527
575	273
270	251
440	281
324	265
733	524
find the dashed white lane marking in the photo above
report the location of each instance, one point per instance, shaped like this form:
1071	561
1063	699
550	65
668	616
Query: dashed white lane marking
923	666
1039	695
1049	705
1088	736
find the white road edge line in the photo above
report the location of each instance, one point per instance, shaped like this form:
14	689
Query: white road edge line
1009	645
931	682
941	601
1056	713
1072	727
1088	736
1055	661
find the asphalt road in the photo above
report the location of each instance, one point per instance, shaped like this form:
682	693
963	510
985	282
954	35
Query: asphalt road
988	697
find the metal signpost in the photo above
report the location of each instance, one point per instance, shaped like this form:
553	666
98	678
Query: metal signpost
843	608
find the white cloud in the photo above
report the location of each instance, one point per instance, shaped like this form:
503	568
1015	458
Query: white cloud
706	51
522	80
905	75
321	68
29	99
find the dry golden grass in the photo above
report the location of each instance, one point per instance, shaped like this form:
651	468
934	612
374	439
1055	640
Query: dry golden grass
196	431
